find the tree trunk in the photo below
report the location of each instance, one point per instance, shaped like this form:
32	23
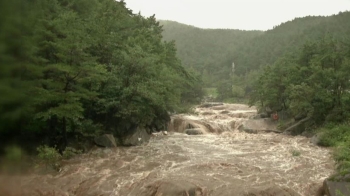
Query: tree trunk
287	130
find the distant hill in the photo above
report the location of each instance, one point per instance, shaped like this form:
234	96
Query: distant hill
289	37
205	49
212	51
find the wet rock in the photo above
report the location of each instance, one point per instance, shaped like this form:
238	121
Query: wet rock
264	115
316	139
225	112
337	185
273	191
138	136
207	113
106	140
258	125
193	131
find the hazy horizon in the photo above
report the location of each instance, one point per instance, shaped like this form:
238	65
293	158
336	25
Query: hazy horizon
236	14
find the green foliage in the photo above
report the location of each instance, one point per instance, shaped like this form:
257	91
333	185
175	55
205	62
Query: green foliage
333	135
337	136
287	38
49	155
211	92
78	68
70	152
312	83
206	50
342	156
13	153
211	52
295	153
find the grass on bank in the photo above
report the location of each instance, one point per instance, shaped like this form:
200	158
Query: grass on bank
337	136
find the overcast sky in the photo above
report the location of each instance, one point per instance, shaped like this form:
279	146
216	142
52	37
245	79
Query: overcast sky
236	14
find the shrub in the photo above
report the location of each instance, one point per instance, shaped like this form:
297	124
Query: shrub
48	155
334	134
338	136
342	156
13	153
295	153
70	152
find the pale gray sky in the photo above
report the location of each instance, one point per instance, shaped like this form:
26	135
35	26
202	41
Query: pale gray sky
236	14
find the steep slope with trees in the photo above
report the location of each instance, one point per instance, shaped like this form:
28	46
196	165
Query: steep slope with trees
286	38
75	68
204	50
212	51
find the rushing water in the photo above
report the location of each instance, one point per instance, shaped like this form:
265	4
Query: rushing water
230	163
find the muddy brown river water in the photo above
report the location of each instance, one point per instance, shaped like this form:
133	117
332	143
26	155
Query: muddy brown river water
227	163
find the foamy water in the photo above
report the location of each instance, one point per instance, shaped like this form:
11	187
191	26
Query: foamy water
230	163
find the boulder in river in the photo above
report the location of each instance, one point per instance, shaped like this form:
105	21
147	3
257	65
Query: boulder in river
137	137
338	185
259	125
196	131
105	140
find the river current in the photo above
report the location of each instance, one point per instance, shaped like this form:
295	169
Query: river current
226	162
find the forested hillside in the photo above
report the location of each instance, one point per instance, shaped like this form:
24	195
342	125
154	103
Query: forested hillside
205	50
80	68
287	38
212	51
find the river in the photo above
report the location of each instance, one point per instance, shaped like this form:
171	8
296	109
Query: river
217	163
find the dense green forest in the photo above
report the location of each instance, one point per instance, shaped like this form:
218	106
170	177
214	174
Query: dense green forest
248	50
205	50
79	68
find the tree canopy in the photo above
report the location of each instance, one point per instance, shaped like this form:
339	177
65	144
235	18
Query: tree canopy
79	67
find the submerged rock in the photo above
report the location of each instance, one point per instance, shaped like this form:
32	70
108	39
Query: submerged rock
197	131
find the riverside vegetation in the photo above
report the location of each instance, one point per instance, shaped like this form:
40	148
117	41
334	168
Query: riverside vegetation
71	70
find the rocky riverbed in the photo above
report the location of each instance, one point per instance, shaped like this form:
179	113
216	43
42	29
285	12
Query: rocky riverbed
222	160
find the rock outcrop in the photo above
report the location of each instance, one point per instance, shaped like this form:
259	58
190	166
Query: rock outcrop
259	125
138	136
106	140
338	185
197	131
